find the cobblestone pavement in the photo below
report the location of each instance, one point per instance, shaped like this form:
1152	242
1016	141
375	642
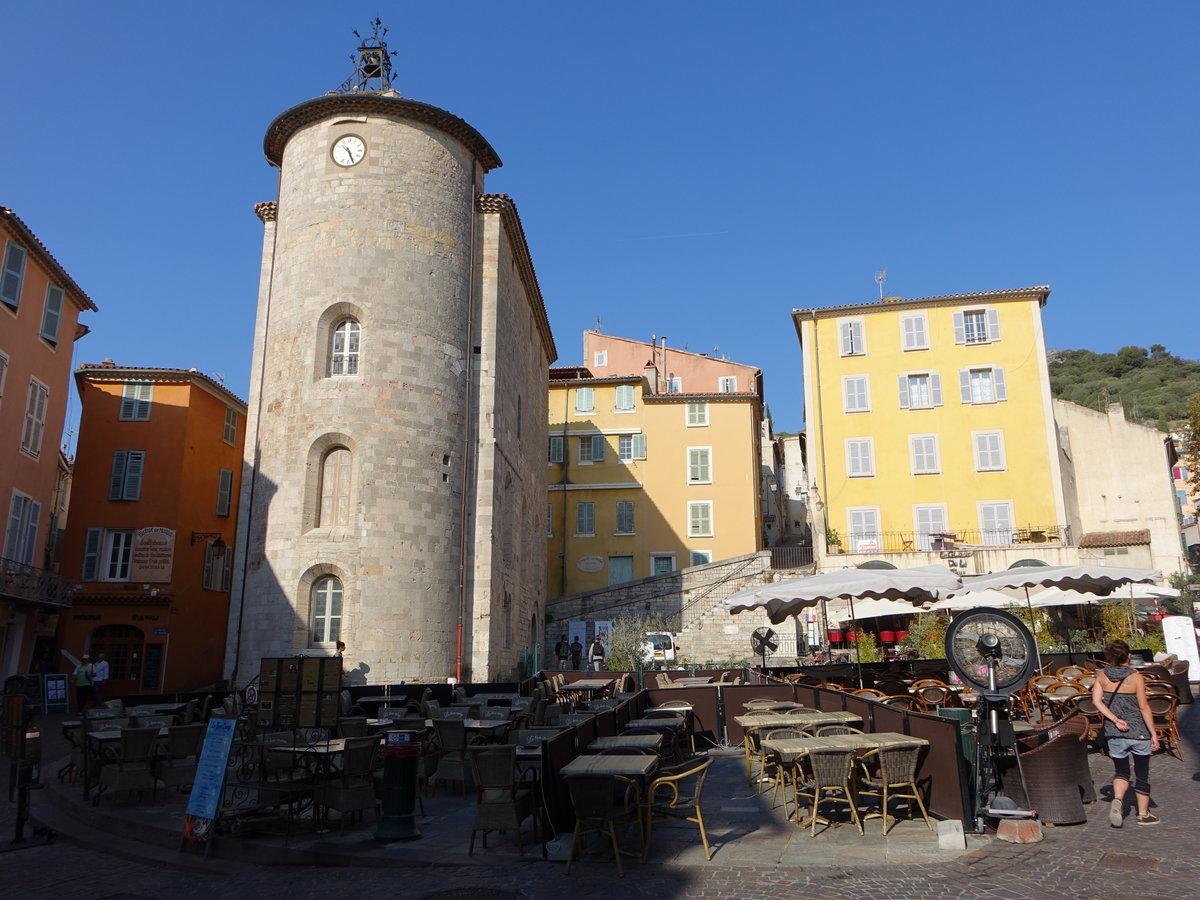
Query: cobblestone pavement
1085	862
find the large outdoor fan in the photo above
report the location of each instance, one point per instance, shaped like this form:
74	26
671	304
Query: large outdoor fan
993	652
763	643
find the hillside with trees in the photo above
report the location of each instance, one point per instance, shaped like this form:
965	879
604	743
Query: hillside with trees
1154	386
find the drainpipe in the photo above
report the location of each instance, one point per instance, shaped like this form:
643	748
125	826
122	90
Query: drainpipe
562	569
820	424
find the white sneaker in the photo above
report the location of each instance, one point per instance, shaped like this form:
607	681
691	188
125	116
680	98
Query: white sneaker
1115	819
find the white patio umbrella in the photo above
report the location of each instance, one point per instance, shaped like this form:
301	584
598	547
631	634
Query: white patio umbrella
989	597
871	609
919	586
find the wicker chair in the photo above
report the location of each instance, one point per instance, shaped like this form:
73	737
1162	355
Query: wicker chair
825	776
935	696
352	727
602	802
501	802
780	772
833	730
175	765
1179	677
452	748
130	765
1162	709
676	798
890	773
1056	771
352	788
901	701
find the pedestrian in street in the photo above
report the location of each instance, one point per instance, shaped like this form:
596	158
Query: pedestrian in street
99	676
83	683
576	653
563	651
1119	692
596	654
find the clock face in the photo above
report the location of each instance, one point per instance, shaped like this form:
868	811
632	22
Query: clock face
348	150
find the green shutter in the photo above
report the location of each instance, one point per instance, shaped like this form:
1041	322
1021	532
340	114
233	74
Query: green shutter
91	553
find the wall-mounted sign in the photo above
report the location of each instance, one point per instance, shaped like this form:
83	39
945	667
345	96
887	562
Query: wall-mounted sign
153	552
590	564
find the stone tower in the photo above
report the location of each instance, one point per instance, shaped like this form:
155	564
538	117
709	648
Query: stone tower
395	451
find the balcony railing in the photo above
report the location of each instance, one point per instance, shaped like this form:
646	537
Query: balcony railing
959	539
791	557
21	582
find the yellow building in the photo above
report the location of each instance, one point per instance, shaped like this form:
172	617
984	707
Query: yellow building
930	422
652	470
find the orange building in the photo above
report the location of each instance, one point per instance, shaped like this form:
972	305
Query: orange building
40	306
153	512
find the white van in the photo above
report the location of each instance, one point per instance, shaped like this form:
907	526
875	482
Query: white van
658	651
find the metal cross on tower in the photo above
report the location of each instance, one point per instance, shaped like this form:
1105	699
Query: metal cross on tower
372	63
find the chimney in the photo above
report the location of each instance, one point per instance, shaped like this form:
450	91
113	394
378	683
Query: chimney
651	374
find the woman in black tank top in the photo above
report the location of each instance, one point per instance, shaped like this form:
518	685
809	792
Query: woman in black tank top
1119	692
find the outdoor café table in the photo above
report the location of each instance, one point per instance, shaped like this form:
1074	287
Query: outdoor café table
791	748
629	766
489	727
642	741
692	681
674	723
751	721
587	686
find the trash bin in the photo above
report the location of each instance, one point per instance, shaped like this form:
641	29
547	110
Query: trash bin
401	755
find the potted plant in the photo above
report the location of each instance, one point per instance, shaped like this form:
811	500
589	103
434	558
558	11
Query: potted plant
833	540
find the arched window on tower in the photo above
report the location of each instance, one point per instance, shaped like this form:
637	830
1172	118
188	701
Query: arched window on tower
343	348
335	488
326	611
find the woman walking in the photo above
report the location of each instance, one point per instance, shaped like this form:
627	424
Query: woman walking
1119	692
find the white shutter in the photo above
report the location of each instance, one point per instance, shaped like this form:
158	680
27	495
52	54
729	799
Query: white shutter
116	480
847	338
935	388
993	324
699	463
639	446
624	394
585	399
964	384
91	553
52	316
858	457
904	392
998	387
960	328
133	475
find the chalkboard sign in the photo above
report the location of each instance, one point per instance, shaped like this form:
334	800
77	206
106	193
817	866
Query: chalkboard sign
56	693
210	778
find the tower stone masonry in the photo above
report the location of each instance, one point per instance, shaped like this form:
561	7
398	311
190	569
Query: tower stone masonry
396	432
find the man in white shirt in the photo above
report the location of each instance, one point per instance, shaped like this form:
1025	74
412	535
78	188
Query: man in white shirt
99	676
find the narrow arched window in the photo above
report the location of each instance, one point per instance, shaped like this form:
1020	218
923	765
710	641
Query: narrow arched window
326	611
343	350
335	488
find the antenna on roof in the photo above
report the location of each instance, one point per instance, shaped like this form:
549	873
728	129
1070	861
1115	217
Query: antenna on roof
597	323
881	277
219	377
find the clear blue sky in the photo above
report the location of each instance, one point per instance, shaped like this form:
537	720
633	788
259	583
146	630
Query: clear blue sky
694	170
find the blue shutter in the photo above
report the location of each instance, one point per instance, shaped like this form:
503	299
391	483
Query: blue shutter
91	553
116	481
52	316
14	272
597	448
133	475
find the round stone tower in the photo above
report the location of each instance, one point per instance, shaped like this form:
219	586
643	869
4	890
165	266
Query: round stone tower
355	522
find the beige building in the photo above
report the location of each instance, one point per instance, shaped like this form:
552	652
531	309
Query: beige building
395	496
1124	498
654	466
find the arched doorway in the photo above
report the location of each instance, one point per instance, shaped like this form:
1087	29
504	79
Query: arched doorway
124	645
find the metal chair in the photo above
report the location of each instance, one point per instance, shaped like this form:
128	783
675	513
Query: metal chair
500	800
676	798
890	773
602	802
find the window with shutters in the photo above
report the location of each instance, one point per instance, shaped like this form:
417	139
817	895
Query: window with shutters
229	434
326	618
631	447
116	555
125	483
928	521
863	530
727	384
600	358
135	401
923	451
224	491
591	449
860	457
218	568
700	518
549	520
853	337
585	519
989	451
585	400
697	414
662	563
920	390
20	536
982	385
996	522
699	465
624	398
35	418
620	569
914	332
856	394
699	557
335	488
345	343
624	517
976	326
556	449
13	274
52	313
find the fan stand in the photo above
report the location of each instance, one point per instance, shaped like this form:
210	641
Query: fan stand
995	740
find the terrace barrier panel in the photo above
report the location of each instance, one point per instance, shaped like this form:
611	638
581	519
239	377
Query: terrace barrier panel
706	721
735	696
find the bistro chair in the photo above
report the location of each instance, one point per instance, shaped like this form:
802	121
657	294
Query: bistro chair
935	696
676	798
825	776
451	736
902	701
352	727
351	789
1070	673
602	802
129	765
501	801
836	729
780	772
890	773
1162	710
175	765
